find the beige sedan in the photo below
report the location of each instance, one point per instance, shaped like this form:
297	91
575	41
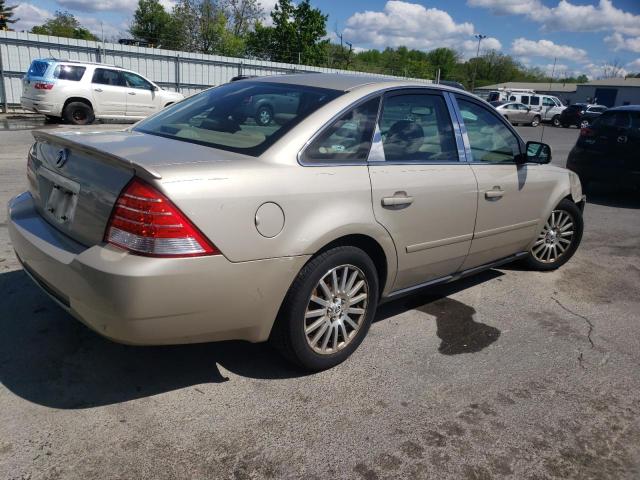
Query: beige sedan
518	113
200	224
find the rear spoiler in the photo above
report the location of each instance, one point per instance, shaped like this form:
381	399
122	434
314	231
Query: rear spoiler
66	141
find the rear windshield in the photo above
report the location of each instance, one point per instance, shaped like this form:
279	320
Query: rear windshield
244	117
38	68
575	108
69	72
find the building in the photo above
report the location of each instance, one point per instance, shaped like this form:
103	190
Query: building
611	92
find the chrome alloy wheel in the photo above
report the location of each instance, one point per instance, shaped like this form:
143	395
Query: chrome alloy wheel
555	238
336	309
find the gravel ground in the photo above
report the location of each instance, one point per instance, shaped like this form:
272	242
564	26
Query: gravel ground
509	374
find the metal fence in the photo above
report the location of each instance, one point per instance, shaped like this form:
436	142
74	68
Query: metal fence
184	72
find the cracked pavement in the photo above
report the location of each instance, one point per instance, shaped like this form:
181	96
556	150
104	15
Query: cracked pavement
508	374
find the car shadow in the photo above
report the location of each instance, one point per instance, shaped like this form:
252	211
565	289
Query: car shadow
612	196
51	359
456	327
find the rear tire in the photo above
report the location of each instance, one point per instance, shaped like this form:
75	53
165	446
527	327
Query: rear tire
324	318
584	124
559	238
555	121
264	116
78	113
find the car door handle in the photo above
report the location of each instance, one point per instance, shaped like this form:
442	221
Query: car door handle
132	93
397	200
97	89
495	192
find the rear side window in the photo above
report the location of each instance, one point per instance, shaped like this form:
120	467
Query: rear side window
69	72
525	99
614	119
535	100
38	68
244	117
348	139
104	76
417	128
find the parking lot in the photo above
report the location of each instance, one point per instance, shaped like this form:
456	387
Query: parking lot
508	374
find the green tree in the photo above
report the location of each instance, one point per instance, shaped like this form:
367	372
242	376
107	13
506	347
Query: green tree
242	15
297	35
444	59
64	24
151	22
5	16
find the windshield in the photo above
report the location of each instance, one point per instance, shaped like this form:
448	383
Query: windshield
243	117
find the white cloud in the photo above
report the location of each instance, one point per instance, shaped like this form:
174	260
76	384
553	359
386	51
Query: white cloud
414	26
547	49
567	16
635	65
470	47
29	16
507	7
617	41
98	5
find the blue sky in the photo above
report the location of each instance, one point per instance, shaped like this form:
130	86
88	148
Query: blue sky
582	35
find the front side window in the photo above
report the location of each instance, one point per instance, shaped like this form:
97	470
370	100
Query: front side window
136	81
548	102
348	139
69	72
490	140
244	117
417	128
104	76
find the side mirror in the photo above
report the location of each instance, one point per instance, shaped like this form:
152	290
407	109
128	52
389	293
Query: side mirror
538	152
528	109
154	88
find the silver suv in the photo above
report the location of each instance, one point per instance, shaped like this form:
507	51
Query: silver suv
80	92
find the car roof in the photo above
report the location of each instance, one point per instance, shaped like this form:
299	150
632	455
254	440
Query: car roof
625	108
342	82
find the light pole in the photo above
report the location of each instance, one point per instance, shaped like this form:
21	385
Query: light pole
480	37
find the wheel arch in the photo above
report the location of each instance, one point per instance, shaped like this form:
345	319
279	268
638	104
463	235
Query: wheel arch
77	99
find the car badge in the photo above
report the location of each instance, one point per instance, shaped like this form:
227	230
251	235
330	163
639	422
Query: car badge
61	159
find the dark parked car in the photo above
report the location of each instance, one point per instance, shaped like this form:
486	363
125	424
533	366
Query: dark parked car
607	151
262	108
580	114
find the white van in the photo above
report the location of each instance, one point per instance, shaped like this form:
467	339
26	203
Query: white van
550	107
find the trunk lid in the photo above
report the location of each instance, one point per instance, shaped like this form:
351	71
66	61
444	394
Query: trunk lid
76	178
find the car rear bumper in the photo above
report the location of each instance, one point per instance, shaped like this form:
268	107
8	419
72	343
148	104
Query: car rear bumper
39	106
150	301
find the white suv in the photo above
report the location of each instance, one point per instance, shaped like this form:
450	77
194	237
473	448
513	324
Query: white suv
80	92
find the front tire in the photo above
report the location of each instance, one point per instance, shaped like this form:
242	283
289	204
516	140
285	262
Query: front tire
536	121
328	309
559	238
555	121
584	124
78	113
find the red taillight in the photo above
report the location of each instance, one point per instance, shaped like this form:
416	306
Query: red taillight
146	222
43	86
587	132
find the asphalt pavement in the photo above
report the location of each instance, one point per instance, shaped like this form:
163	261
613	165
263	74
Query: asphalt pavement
508	374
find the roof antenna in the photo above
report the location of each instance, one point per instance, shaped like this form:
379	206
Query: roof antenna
553	71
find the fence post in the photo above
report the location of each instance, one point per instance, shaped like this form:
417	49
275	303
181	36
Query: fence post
177	73
5	103
240	69
98	55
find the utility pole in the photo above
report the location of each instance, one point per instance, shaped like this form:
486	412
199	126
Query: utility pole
480	37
